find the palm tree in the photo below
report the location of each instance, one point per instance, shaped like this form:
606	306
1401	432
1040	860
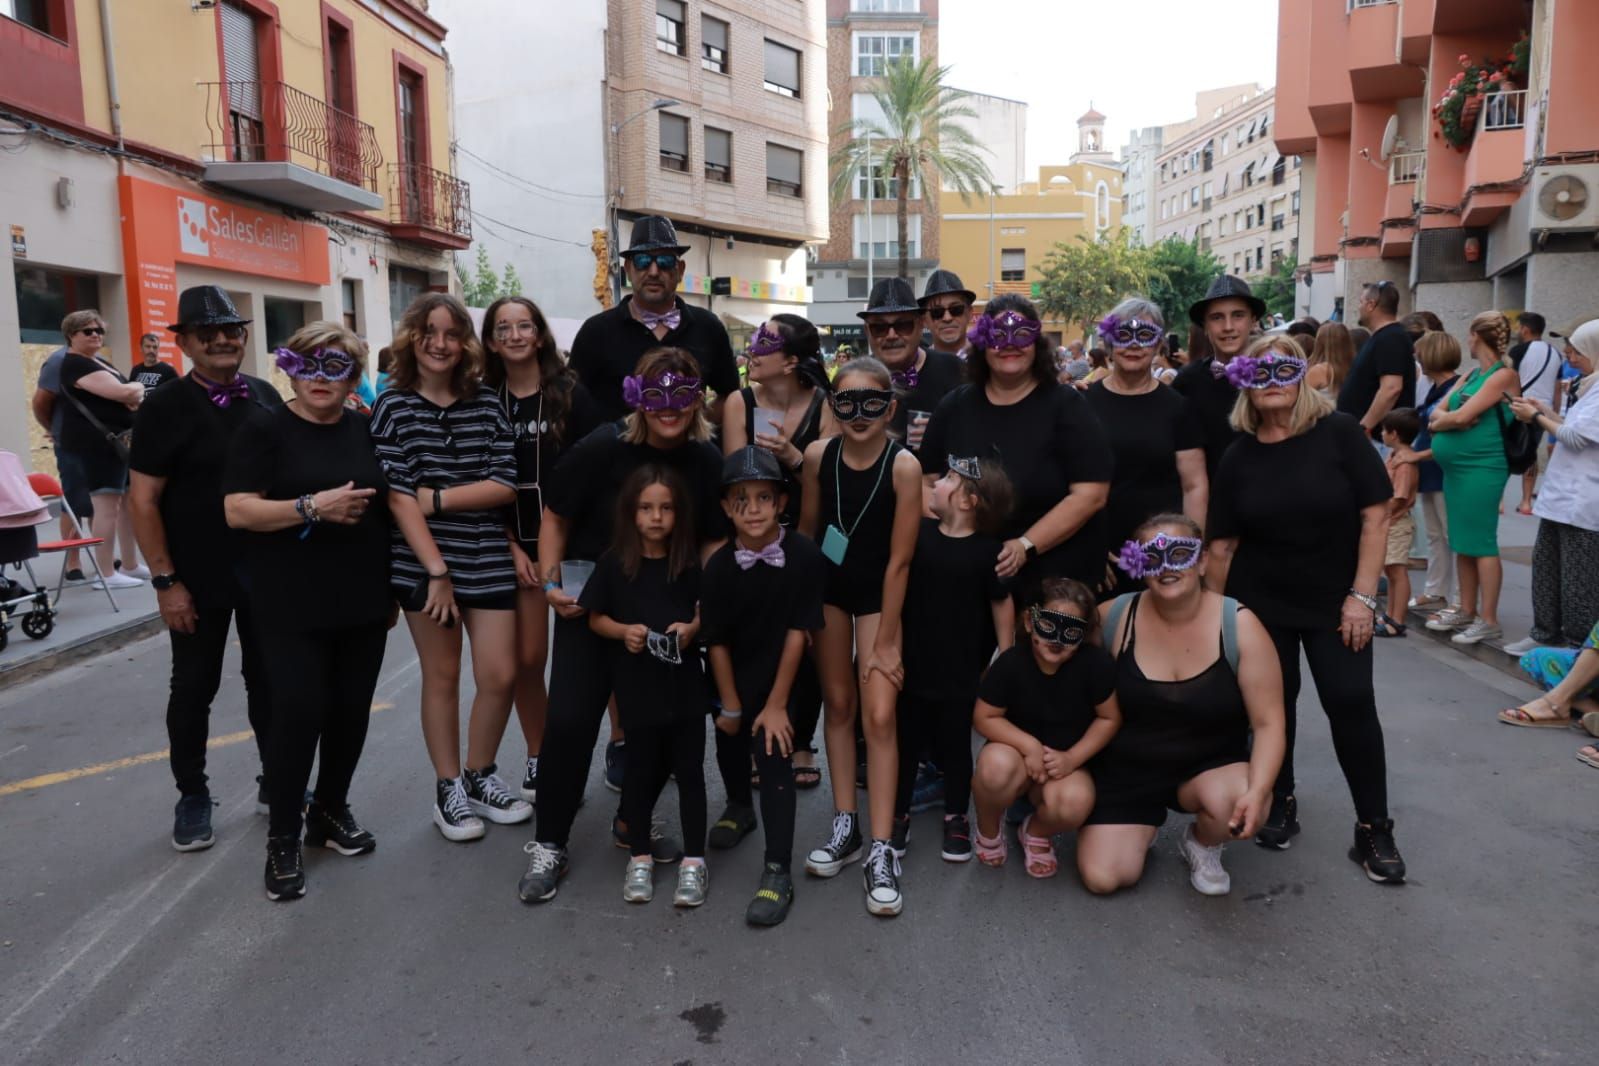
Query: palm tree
920	137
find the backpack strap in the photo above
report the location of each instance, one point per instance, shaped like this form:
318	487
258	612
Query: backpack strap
1113	617
1229	631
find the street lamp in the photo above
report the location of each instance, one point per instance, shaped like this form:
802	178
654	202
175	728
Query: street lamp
660	103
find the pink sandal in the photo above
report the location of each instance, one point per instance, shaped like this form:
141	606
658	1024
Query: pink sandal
991	851
1038	852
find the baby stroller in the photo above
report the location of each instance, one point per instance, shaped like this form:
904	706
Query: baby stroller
21	509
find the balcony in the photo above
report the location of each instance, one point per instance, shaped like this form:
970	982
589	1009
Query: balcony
1496	159
273	141
1406	168
429	206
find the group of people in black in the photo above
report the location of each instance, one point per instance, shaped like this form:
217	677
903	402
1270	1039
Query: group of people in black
933	540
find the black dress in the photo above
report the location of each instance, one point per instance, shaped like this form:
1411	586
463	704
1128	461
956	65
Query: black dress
859	504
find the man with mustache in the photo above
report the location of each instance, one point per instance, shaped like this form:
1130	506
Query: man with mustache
921	378
180	442
1228	314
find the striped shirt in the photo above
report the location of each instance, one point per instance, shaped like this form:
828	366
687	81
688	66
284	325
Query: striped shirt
422	445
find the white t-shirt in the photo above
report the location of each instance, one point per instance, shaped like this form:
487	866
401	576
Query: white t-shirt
1570	491
1540	371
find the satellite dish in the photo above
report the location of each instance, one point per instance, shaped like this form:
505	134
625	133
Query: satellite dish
1563	197
1390	137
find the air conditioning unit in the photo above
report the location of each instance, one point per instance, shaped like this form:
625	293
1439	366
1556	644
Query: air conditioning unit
1565	198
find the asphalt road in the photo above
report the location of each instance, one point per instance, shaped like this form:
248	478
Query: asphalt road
116	949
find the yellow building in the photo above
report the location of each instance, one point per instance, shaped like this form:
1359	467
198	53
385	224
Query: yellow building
997	244
297	154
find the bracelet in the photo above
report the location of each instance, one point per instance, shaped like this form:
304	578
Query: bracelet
438	501
439	577
551	586
1369	602
725	713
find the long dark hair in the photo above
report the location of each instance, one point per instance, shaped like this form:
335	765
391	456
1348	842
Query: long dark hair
801	340
1043	368
468	373
628	546
556	379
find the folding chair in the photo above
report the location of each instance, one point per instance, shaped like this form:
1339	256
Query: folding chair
49	490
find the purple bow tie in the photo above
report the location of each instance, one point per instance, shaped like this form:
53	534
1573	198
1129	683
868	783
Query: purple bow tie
670	319
906	379
224	395
771	555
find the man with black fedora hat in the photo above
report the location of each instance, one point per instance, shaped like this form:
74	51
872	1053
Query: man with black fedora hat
948	303
608	345
180	442
1229	314
921	378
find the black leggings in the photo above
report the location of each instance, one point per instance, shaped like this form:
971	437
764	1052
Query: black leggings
196	676
580	687
1344	686
655	751
805	704
942	728
777	782
322	684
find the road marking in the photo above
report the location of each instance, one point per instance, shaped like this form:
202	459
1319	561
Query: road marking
13	751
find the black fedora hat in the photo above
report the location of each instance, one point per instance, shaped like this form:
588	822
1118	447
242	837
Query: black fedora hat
750	463
891	296
653	233
944	283
206	305
1227	287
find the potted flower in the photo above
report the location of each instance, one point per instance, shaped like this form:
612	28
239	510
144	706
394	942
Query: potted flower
1457	109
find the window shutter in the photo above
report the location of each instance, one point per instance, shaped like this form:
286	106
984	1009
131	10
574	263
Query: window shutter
240	56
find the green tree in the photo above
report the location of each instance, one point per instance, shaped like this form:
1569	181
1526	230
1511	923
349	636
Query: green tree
512	284
920	138
1179	274
1277	288
482	285
1081	281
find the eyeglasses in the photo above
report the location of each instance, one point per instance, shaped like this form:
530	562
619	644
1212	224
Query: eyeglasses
207	334
858	405
902	326
518	329
946	311
93	331
1055	627
664	260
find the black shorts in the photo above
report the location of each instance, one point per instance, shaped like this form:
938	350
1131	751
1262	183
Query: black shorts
1131	798
854	596
75	484
480	601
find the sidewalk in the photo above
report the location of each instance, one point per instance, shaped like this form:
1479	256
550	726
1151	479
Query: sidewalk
85	625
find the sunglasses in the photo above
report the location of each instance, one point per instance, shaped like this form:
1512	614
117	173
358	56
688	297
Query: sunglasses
664	260
1057	628
856	405
667	392
207	334
902	326
946	311
94	331
1160	554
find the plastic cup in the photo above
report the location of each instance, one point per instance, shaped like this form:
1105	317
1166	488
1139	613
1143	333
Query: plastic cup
768	423
575	574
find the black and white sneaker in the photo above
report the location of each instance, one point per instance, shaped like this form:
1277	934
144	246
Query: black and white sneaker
1377	853
285	869
336	829
546	865
1281	825
191	823
957	839
530	780
881	874
900	839
453	814
841	849
489	798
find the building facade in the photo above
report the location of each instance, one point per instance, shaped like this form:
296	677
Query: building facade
298	156
1138	164
863	234
1000	127
1220	181
1494	204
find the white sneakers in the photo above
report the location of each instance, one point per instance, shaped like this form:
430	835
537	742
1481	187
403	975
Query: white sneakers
1207	875
117	581
1521	647
1477	632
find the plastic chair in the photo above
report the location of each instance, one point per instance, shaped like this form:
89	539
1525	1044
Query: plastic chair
49	490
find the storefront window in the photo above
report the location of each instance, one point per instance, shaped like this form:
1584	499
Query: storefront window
46	296
283	319
405	285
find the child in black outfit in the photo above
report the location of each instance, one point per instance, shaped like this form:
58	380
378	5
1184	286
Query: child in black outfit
957	611
762	594
644	598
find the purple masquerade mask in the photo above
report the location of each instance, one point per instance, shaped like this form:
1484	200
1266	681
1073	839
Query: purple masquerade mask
660	393
1129	332
1159	554
1265	371
767	341
1008	329
1056	627
321	364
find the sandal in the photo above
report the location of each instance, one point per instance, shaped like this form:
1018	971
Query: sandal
1387	627
1589	755
807	776
1038	852
1524	510
1519	716
991	851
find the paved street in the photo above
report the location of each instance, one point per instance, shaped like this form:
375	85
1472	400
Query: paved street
117	949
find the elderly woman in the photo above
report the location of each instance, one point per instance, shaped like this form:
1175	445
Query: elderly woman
1157	442
304	481
1303	553
1046	436
1468	443
1565	557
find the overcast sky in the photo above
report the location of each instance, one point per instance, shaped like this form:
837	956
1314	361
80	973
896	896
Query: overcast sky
1140	62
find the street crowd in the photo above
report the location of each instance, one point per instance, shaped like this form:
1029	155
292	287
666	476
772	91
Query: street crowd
1108	563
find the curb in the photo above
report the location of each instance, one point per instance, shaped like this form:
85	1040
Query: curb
1489	653
28	667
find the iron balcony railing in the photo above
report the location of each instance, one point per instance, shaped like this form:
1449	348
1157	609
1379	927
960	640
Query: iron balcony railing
269	121
422	196
1505	110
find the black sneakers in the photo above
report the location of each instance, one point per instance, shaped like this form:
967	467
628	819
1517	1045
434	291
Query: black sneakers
285	869
613	765
336	829
1377	853
663	846
842	848
1281	825
530	780
957	839
488	797
900	839
881	874
546	865
773	899
191	823
736	823
451	812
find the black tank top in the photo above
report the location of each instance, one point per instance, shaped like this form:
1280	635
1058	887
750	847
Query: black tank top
864	515
810	429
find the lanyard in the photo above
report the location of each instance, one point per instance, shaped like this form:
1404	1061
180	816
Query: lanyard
838	488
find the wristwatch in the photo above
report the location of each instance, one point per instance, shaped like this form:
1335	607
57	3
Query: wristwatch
1028	546
1370	602
162	582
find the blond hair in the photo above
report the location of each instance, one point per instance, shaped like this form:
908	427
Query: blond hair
1437	352
652	364
1310	406
334	335
1493	329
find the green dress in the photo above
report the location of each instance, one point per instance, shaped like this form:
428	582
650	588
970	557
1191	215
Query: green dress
1473	462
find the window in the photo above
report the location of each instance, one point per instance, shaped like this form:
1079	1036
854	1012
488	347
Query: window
669	27
874	51
713	44
1279	171
718	155
46	296
784	167
674	142
1226	143
1276	223
855	287
31	13
344	139
1012	264
406	284
882	240
1221	226
875	6
1013	231
283	319
241	59
1296	202
782	69
885	187
347	291
1260	214
412	138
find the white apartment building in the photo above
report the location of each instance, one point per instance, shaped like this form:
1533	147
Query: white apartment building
1138	162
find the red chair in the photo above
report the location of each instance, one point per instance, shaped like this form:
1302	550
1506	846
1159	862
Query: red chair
49	490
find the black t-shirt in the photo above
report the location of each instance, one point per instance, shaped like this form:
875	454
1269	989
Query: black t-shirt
608	346
538	450
1295	508
949	625
180	435
1047	441
334	576
78	434
1388	352
1211	399
152	376
750	612
1146	432
1056	709
939	375
585	485
644	684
